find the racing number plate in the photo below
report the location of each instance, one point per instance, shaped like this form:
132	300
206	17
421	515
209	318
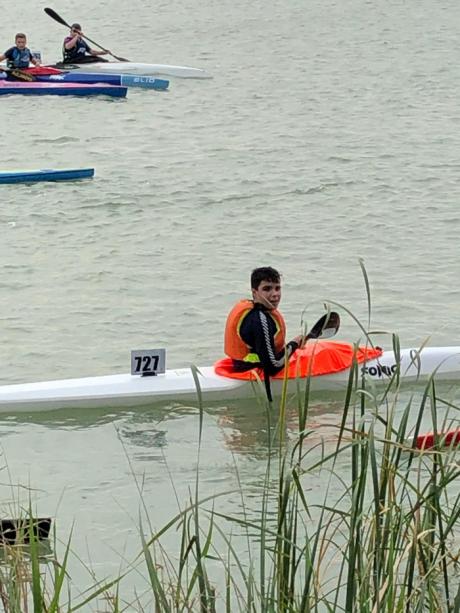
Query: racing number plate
148	362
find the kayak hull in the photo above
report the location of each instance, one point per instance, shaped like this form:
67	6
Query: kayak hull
35	88
46	174
138	68
124	80
125	390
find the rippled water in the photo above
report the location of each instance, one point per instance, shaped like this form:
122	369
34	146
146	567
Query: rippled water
329	133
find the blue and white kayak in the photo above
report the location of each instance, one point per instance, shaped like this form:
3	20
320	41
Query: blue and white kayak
46	174
125	80
35	88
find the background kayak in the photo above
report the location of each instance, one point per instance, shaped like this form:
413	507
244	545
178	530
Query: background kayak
184	72
34	88
46	174
432	439
145	81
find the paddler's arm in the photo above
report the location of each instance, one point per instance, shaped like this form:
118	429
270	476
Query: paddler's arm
99	52
5	56
70	42
272	362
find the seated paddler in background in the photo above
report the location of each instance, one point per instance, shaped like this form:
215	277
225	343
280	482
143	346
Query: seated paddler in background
77	51
19	56
255	332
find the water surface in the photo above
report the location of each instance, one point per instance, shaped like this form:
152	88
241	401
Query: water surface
329	133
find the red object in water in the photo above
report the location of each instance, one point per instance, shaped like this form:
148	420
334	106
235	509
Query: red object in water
428	441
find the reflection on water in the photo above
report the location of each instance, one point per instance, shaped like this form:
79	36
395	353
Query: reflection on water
251	429
43	549
90	418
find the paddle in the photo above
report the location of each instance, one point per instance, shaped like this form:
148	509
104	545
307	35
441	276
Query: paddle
59	19
327	326
15	74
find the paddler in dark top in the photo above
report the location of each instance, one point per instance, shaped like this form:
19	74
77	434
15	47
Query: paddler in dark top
255	333
19	56
77	51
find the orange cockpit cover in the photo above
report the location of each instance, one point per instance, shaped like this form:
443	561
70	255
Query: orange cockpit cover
316	359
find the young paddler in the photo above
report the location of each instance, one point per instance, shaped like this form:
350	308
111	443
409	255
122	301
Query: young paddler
255	332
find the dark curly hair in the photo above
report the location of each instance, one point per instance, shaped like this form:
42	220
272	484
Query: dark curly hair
265	273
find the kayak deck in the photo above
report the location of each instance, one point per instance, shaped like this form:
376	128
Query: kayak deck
125	80
137	68
125	390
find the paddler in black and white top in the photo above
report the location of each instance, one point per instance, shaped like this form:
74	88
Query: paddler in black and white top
77	51
255	332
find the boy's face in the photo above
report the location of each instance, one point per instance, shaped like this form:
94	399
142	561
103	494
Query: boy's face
21	42
268	293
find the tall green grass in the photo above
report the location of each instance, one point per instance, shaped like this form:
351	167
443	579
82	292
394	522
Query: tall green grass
381	534
387	540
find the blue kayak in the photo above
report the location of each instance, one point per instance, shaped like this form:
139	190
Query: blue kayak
34	88
46	174
125	80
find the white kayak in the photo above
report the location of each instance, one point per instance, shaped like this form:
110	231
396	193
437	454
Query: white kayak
123	66
138	68
126	390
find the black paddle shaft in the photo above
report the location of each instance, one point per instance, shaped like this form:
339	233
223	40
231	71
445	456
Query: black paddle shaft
59	19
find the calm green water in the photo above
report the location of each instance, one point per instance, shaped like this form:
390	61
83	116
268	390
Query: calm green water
329	133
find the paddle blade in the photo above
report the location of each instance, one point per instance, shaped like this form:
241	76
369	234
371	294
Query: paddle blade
14	74
55	16
325	327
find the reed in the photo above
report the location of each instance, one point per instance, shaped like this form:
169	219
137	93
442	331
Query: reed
381	537
385	540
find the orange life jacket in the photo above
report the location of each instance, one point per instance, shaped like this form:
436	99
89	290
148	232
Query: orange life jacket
234	345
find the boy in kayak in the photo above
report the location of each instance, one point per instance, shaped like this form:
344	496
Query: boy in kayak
77	51
255	332
19	56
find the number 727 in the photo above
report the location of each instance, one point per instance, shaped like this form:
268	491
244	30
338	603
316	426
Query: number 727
146	363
